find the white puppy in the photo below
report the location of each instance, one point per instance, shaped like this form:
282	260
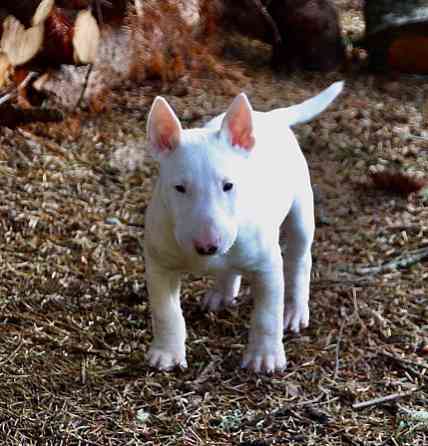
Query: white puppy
222	194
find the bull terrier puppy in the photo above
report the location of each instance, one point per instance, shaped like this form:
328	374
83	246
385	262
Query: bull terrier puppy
223	193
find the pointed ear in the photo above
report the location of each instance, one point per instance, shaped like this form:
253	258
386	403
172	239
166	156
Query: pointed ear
163	128
237	123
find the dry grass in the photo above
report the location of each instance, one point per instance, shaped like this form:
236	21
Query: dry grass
75	321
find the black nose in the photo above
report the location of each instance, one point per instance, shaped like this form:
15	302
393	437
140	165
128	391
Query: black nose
206	250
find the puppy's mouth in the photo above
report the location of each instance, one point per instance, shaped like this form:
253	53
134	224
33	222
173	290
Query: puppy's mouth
205	251
211	252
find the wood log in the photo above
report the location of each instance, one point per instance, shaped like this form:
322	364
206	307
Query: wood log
20	44
397	35
86	38
5	70
57	36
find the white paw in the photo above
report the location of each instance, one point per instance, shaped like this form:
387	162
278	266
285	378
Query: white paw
216	301
164	359
269	361
296	316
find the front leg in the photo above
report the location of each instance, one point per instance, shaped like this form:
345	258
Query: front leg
224	292
169	331
265	351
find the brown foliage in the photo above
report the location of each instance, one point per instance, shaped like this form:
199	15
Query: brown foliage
166	47
397	182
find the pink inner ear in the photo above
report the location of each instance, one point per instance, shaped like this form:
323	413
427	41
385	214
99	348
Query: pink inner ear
167	140
163	127
241	133
239	124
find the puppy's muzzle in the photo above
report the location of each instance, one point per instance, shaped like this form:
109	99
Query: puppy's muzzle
205	249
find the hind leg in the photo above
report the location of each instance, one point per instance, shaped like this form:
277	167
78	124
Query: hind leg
224	292
298	229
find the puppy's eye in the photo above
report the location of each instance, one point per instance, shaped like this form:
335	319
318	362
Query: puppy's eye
227	187
180	188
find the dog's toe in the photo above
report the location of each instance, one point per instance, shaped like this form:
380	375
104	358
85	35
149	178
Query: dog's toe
296	317
165	360
216	301
262	362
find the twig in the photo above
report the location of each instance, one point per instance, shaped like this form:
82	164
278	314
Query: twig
339	339
206	372
404	361
50	145
402	261
313	401
22	85
14	353
83	371
417	137
85	86
383	399
407	365
91	66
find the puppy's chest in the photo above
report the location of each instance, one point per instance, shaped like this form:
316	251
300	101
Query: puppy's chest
245	255
185	263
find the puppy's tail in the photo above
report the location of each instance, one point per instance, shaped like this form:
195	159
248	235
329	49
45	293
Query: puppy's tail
307	110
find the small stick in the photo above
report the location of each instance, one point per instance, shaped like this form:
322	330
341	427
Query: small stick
404	361
383	399
204	375
83	371
402	261
53	147
339	339
313	401
408	366
14	353
91	66
85	86
417	137
22	85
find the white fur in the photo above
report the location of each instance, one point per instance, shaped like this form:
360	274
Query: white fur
271	186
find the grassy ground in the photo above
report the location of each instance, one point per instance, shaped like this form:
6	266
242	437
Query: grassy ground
74	313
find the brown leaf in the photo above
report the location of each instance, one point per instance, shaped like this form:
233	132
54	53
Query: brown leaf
397	182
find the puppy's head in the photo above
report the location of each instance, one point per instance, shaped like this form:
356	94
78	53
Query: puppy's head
202	175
